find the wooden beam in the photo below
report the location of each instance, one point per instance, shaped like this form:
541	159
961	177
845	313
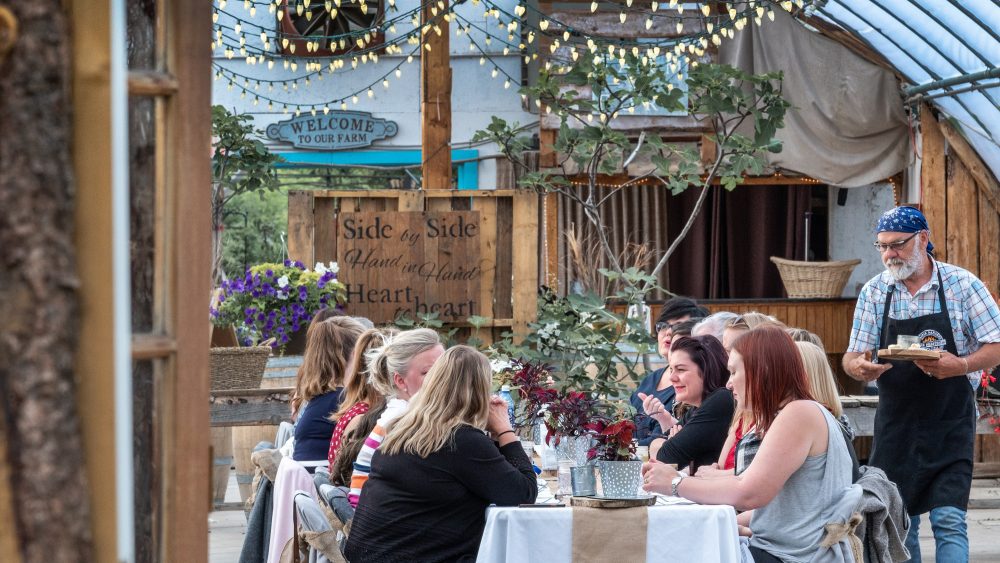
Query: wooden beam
250	407
150	346
9	548
973	163
185	438
551	238
301	227
962	238
989	242
151	83
933	198
525	261
435	100
95	366
419	195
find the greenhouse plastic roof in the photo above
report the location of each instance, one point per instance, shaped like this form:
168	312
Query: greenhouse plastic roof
933	40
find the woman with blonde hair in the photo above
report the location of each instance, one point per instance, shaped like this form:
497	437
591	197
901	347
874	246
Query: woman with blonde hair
318	384
359	395
823	387
396	370
438	470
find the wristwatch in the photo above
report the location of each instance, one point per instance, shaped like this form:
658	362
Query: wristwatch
674	483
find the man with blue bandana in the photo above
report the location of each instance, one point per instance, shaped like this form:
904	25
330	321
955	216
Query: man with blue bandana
925	424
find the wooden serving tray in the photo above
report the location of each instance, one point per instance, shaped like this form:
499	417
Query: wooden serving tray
908	354
599	502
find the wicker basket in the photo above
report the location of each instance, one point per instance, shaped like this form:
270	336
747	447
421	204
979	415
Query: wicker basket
814	279
238	368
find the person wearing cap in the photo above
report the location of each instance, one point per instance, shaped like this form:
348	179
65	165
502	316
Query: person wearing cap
674	312
925	424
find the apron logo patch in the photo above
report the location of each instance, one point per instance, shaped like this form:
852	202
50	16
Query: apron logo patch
931	339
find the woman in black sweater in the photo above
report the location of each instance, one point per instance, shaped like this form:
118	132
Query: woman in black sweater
437	470
699	375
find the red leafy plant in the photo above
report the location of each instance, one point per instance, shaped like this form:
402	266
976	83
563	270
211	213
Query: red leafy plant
532	381
570	415
614	439
987	404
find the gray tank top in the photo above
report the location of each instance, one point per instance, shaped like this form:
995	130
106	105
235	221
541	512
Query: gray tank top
790	527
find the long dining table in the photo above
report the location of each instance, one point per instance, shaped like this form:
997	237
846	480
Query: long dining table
675	532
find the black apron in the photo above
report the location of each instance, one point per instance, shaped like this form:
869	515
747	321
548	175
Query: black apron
925	428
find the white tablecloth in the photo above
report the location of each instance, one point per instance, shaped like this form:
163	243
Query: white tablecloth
685	533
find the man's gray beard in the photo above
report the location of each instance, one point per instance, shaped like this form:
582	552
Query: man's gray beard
908	267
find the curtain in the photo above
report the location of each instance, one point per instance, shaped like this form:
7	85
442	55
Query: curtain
726	255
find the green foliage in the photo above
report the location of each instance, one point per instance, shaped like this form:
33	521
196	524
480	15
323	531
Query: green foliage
241	164
240	161
587	142
406	321
254	225
590	347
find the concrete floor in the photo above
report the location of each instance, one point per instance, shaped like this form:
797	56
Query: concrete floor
226	528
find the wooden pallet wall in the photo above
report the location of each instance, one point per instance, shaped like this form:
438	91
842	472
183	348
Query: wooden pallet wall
961	199
509	246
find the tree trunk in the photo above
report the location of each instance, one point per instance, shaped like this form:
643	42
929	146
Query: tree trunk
38	303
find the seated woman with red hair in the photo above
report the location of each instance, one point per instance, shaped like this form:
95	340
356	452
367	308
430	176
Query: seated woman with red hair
802	467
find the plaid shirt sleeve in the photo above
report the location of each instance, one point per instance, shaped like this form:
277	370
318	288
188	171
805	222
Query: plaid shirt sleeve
981	316
867	317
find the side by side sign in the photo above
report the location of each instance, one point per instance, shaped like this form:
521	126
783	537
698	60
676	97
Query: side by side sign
397	263
332	131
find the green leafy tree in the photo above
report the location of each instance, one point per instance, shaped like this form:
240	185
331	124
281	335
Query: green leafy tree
744	112
241	164
592	347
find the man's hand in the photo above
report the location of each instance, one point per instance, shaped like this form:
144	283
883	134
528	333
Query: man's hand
948	365
860	367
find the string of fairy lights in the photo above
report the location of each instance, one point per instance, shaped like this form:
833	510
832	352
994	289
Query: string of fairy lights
277	72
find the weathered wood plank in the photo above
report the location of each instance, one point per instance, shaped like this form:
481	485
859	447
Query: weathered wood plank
973	163
184	442
963	228
502	279
525	260
300	226
989	243
249	407
487	259
411	201
933	191
550	236
435	103
324	230
9	548
393	194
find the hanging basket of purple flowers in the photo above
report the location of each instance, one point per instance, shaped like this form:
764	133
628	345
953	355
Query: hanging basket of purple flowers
276	300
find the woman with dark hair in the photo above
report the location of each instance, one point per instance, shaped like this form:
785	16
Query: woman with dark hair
675	319
318	385
802	467
698	375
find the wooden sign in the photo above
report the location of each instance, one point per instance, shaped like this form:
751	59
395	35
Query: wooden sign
398	263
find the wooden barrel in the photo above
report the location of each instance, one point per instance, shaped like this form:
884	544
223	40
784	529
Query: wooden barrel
222	462
245	438
280	373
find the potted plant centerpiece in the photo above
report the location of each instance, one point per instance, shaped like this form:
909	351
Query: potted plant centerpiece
614	452
532	381
277	301
568	420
